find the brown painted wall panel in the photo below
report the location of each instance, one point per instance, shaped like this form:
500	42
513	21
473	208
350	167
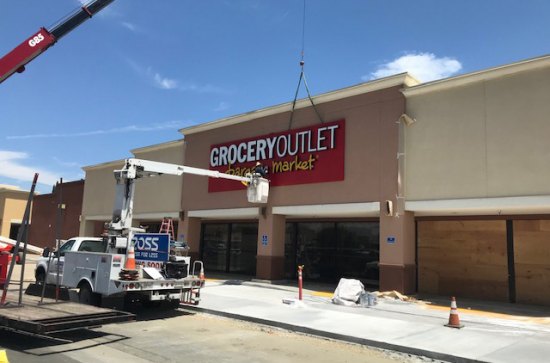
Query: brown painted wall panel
463	258
532	257
42	231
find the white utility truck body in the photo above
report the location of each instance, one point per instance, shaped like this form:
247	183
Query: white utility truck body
97	266
56	262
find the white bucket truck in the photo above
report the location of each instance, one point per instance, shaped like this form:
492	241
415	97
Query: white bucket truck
98	267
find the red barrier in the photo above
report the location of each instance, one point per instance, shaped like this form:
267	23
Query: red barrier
300	268
5	259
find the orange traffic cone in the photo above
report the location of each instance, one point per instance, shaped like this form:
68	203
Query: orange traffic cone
454	321
130	259
201	274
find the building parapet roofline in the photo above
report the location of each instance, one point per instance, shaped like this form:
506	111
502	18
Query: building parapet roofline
155	147
104	165
479	76
402	79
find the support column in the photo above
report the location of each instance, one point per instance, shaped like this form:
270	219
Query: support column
190	230
397	253
87	228
270	261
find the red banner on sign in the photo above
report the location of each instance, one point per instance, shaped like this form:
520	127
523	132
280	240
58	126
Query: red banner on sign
312	154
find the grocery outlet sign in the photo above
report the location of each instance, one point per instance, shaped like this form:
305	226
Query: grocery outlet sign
312	154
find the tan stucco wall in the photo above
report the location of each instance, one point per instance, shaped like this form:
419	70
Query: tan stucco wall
486	139
370	154
99	190
99	194
12	208
160	195
163	193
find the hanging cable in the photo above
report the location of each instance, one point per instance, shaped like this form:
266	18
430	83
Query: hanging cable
303	76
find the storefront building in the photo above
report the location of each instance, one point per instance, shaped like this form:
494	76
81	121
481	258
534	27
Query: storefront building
329	179
478	181
12	207
439	188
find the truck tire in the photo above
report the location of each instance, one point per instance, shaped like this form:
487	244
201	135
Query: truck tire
40	276
86	295
148	304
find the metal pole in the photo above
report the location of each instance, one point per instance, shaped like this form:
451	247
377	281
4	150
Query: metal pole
300	268
58	233
26	217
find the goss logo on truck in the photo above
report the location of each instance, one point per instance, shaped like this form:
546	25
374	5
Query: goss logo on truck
151	249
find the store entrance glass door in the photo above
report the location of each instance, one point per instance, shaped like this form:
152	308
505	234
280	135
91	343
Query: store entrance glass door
229	247
333	250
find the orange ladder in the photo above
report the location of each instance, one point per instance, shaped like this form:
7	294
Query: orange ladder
167	226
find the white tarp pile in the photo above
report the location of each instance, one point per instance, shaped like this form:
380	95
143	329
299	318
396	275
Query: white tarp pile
348	292
4	241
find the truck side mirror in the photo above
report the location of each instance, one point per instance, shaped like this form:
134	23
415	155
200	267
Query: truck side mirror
46	252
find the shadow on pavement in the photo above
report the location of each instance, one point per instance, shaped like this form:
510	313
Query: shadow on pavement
56	343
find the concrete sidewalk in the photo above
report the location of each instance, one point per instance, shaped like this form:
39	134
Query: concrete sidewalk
492	333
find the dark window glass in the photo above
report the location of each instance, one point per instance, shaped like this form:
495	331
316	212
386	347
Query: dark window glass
244	246
330	251
93	246
215	238
315	249
358	251
66	247
14	230
291	264
230	247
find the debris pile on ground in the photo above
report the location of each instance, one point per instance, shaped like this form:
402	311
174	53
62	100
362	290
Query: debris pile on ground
396	295
348	292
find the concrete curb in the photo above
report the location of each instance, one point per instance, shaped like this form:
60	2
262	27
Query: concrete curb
346	338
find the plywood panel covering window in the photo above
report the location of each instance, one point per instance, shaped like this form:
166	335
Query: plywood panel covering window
463	258
532	257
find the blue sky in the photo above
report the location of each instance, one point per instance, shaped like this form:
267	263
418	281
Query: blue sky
141	70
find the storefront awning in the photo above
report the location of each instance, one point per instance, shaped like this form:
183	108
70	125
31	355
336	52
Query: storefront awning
344	210
227	214
480	206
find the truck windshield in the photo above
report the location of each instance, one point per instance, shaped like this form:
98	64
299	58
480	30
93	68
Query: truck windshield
92	246
66	247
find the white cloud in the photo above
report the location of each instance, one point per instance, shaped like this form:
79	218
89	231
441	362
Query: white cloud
14	167
70	164
205	88
162	82
129	26
222	107
423	66
175	125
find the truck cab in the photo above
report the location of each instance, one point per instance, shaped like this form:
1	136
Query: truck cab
56	259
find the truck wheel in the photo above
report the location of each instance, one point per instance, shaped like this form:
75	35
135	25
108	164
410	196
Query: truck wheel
150	304
40	276
174	304
86	296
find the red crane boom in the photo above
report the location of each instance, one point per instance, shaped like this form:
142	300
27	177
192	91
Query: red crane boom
37	43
